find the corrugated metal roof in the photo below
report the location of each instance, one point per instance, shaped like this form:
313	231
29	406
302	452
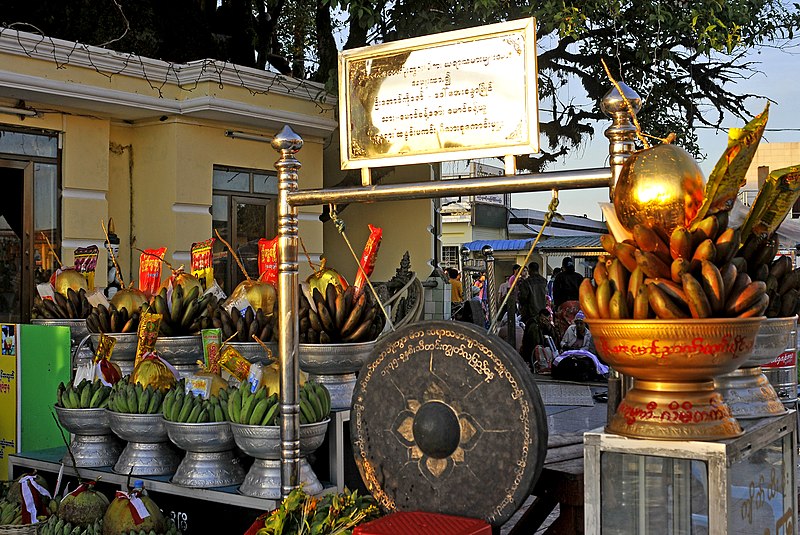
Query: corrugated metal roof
585	241
590	242
500	245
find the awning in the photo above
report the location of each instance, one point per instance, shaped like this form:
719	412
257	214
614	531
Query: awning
583	245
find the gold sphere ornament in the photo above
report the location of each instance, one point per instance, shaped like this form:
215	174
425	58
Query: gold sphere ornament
69	278
661	187
151	370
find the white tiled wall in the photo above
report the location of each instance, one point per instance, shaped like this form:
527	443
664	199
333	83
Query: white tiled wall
437	299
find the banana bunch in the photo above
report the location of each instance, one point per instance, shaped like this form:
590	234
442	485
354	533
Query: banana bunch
86	395
182	314
10	513
259	408
339	316
244	324
315	403
57	526
782	280
691	273
248	408
187	408
134	399
74	305
112	320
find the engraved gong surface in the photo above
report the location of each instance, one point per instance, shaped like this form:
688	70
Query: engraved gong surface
448	419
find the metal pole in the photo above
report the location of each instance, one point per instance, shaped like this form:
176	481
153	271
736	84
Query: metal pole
287	143
560	180
622	132
491	298
621	136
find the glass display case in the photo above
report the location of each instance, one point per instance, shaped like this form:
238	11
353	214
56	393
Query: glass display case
745	485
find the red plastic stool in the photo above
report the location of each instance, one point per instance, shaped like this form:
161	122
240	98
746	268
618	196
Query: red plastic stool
419	523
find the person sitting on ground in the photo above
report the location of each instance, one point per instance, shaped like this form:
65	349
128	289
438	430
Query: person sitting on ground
577	362
535	337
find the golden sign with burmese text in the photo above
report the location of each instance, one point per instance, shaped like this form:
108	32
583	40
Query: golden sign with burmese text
455	95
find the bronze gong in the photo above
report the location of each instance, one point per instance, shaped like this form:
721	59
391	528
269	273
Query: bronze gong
448	419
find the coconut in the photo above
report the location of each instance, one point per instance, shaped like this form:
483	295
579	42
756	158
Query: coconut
321	278
118	519
180	278
69	278
15	490
259	294
131	299
83	506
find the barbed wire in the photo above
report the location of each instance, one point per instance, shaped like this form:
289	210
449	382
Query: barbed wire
173	72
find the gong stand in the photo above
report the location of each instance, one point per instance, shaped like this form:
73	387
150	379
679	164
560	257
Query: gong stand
621	137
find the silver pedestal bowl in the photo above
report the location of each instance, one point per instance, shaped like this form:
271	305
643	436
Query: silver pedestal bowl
254	352
124	351
335	366
747	391
209	460
149	451
93	445
183	352
263	443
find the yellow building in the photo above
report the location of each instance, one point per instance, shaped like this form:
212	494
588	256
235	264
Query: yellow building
170	152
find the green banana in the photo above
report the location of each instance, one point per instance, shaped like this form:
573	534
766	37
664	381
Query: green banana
258	412
270	415
155	402
235	406
306	411
142	399
186	408
192	419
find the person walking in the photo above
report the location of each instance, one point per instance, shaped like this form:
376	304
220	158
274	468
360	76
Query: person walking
565	296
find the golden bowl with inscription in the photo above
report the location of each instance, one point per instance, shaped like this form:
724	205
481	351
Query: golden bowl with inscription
673	364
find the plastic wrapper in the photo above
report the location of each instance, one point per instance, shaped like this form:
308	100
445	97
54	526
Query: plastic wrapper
150	270
153	370
211	343
234	363
202	262
148	334
254	377
773	203
198	386
86	262
369	256
106	371
268	260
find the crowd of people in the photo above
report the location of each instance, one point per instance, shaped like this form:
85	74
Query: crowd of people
554	336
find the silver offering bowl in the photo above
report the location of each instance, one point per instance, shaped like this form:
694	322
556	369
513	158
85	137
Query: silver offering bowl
180	350
124	351
254	352
149	452
747	391
93	445
335	366
209	460
263	443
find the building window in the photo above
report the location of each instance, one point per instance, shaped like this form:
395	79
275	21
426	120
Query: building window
450	256
243	210
30	217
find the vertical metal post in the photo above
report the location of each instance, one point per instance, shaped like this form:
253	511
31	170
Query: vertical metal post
621	137
490	294
622	132
287	143
466	279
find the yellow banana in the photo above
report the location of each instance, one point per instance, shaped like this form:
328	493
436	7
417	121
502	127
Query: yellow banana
627	255
696	297
618	306
647	240
588	299
641	306
663	306
680	243
603	299
713	285
652	265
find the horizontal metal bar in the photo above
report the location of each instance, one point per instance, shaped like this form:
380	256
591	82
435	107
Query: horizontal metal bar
560	180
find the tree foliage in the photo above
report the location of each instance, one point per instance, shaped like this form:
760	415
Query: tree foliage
682	56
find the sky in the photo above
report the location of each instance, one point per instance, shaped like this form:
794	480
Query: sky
778	82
